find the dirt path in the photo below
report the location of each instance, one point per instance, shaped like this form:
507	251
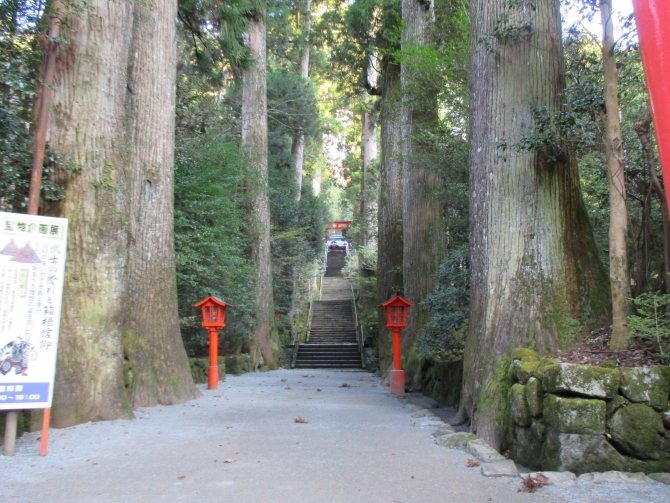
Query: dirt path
360	444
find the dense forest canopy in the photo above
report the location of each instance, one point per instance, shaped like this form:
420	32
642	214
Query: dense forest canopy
497	160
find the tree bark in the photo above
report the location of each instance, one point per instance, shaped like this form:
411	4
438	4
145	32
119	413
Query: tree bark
389	215
368	154
255	143
298	147
423	221
87	127
642	130
536	279
619	275
152	339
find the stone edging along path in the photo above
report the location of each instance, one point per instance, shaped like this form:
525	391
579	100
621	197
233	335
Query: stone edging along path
493	464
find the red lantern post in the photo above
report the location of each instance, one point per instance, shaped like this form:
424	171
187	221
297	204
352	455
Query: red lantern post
213	319
396	321
652	18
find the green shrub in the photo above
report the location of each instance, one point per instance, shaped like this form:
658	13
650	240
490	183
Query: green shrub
651	324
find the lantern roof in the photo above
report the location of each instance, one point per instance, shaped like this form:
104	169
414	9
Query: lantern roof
397	300
211	299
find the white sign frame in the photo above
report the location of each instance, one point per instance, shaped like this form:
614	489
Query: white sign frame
32	273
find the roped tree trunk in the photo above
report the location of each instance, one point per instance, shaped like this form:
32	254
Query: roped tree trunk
255	144
87	127
536	279
423	221
389	215
152	339
616	176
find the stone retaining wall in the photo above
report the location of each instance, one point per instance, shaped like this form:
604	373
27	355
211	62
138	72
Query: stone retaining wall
582	418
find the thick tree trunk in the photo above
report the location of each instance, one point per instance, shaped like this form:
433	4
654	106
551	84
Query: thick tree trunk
535	271
423	221
87	128
255	143
389	216
619	276
152	339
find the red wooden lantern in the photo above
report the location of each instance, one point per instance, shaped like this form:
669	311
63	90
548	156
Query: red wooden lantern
213	319
396	320
396	312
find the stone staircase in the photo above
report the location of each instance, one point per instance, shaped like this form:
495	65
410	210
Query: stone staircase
332	336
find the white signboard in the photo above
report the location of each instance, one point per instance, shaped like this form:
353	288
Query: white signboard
32	268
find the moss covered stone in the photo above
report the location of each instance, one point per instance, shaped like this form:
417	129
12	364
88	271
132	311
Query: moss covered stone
200	369
584	380
574	415
615	404
238	364
579	453
646	385
539	427
523	371
637	430
455	440
648	465
520	410
528	447
526	355
534	397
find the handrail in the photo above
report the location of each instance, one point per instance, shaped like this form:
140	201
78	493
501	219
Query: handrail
359	329
323	271
296	345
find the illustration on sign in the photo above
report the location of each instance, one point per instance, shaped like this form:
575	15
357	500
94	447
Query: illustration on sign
32	268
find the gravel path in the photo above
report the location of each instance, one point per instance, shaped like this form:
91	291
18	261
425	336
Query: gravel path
360	444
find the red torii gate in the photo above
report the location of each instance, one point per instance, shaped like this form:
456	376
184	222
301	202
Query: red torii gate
337	226
653	18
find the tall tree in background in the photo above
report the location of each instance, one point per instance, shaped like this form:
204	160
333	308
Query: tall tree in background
423	221
619	275
298	147
535	271
255	144
87	126
152	339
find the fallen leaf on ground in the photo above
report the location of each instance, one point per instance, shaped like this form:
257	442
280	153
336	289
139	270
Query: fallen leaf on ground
301	419
283	380
228	460
181	477
530	484
318	389
473	462
345	385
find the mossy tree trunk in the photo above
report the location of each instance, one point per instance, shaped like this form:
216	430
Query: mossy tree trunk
87	128
389	215
113	121
616	176
423	221
535	278
255	143
152	339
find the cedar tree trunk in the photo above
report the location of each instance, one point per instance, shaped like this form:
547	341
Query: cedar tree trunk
255	143
536	278
423	220
87	128
152	339
389	215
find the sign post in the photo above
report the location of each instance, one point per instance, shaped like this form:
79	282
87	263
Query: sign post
32	269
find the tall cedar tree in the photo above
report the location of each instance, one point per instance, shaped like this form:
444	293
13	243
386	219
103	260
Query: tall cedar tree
422	212
535	272
255	144
89	126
